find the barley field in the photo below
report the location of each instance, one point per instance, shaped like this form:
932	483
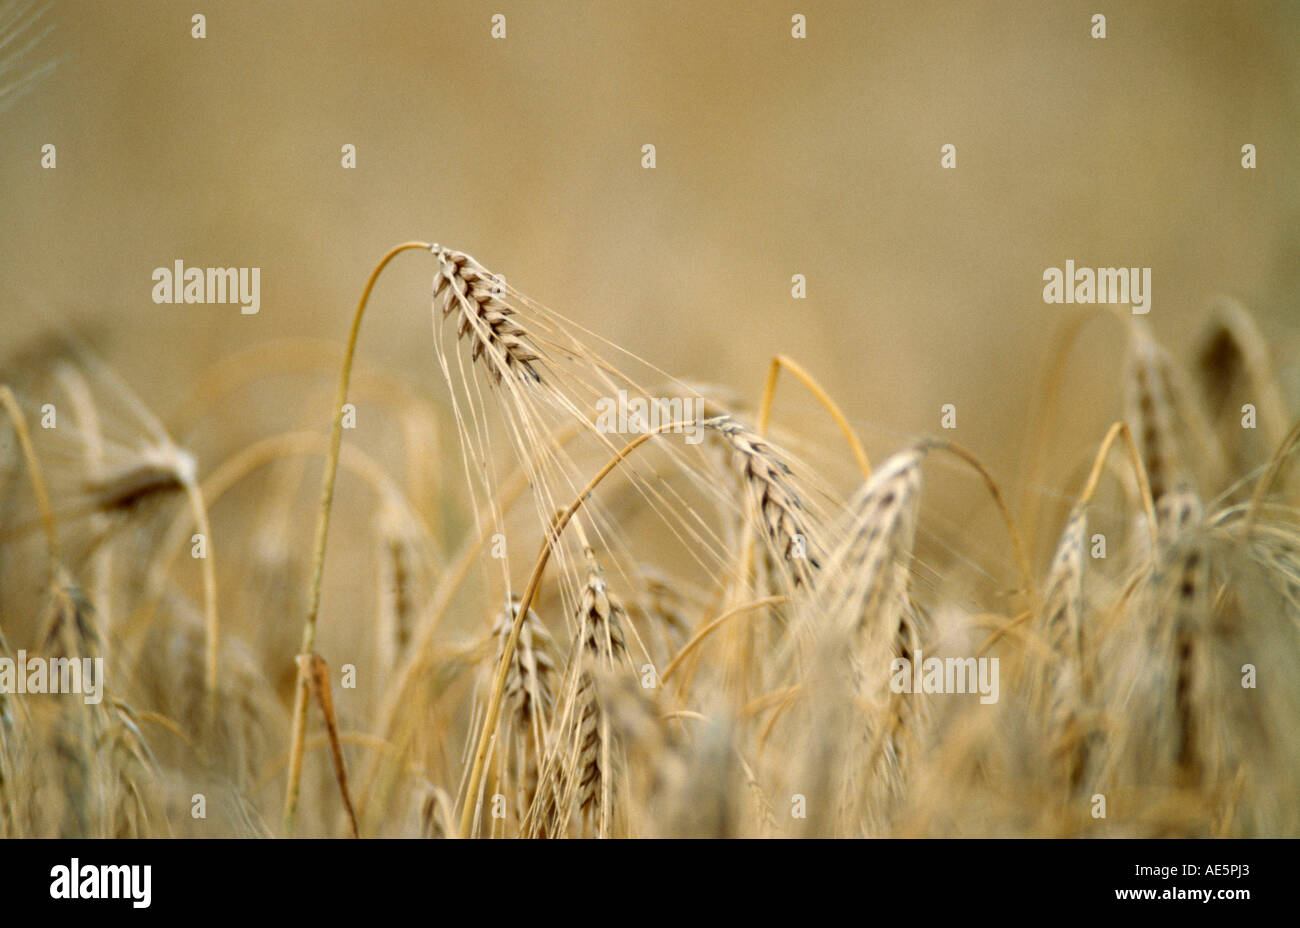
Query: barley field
660	420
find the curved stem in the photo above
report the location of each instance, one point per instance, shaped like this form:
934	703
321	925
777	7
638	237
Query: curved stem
322	533
962	454
807	379
1144	485
1047	400
336	440
708	629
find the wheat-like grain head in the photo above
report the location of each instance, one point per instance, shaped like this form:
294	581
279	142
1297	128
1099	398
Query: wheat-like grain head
464	288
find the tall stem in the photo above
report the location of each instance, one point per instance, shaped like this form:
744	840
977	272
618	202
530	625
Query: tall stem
322	533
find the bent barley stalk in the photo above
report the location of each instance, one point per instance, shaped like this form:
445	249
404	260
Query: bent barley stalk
461	287
322	533
783	362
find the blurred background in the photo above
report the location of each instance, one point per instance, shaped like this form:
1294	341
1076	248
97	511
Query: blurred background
775	157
